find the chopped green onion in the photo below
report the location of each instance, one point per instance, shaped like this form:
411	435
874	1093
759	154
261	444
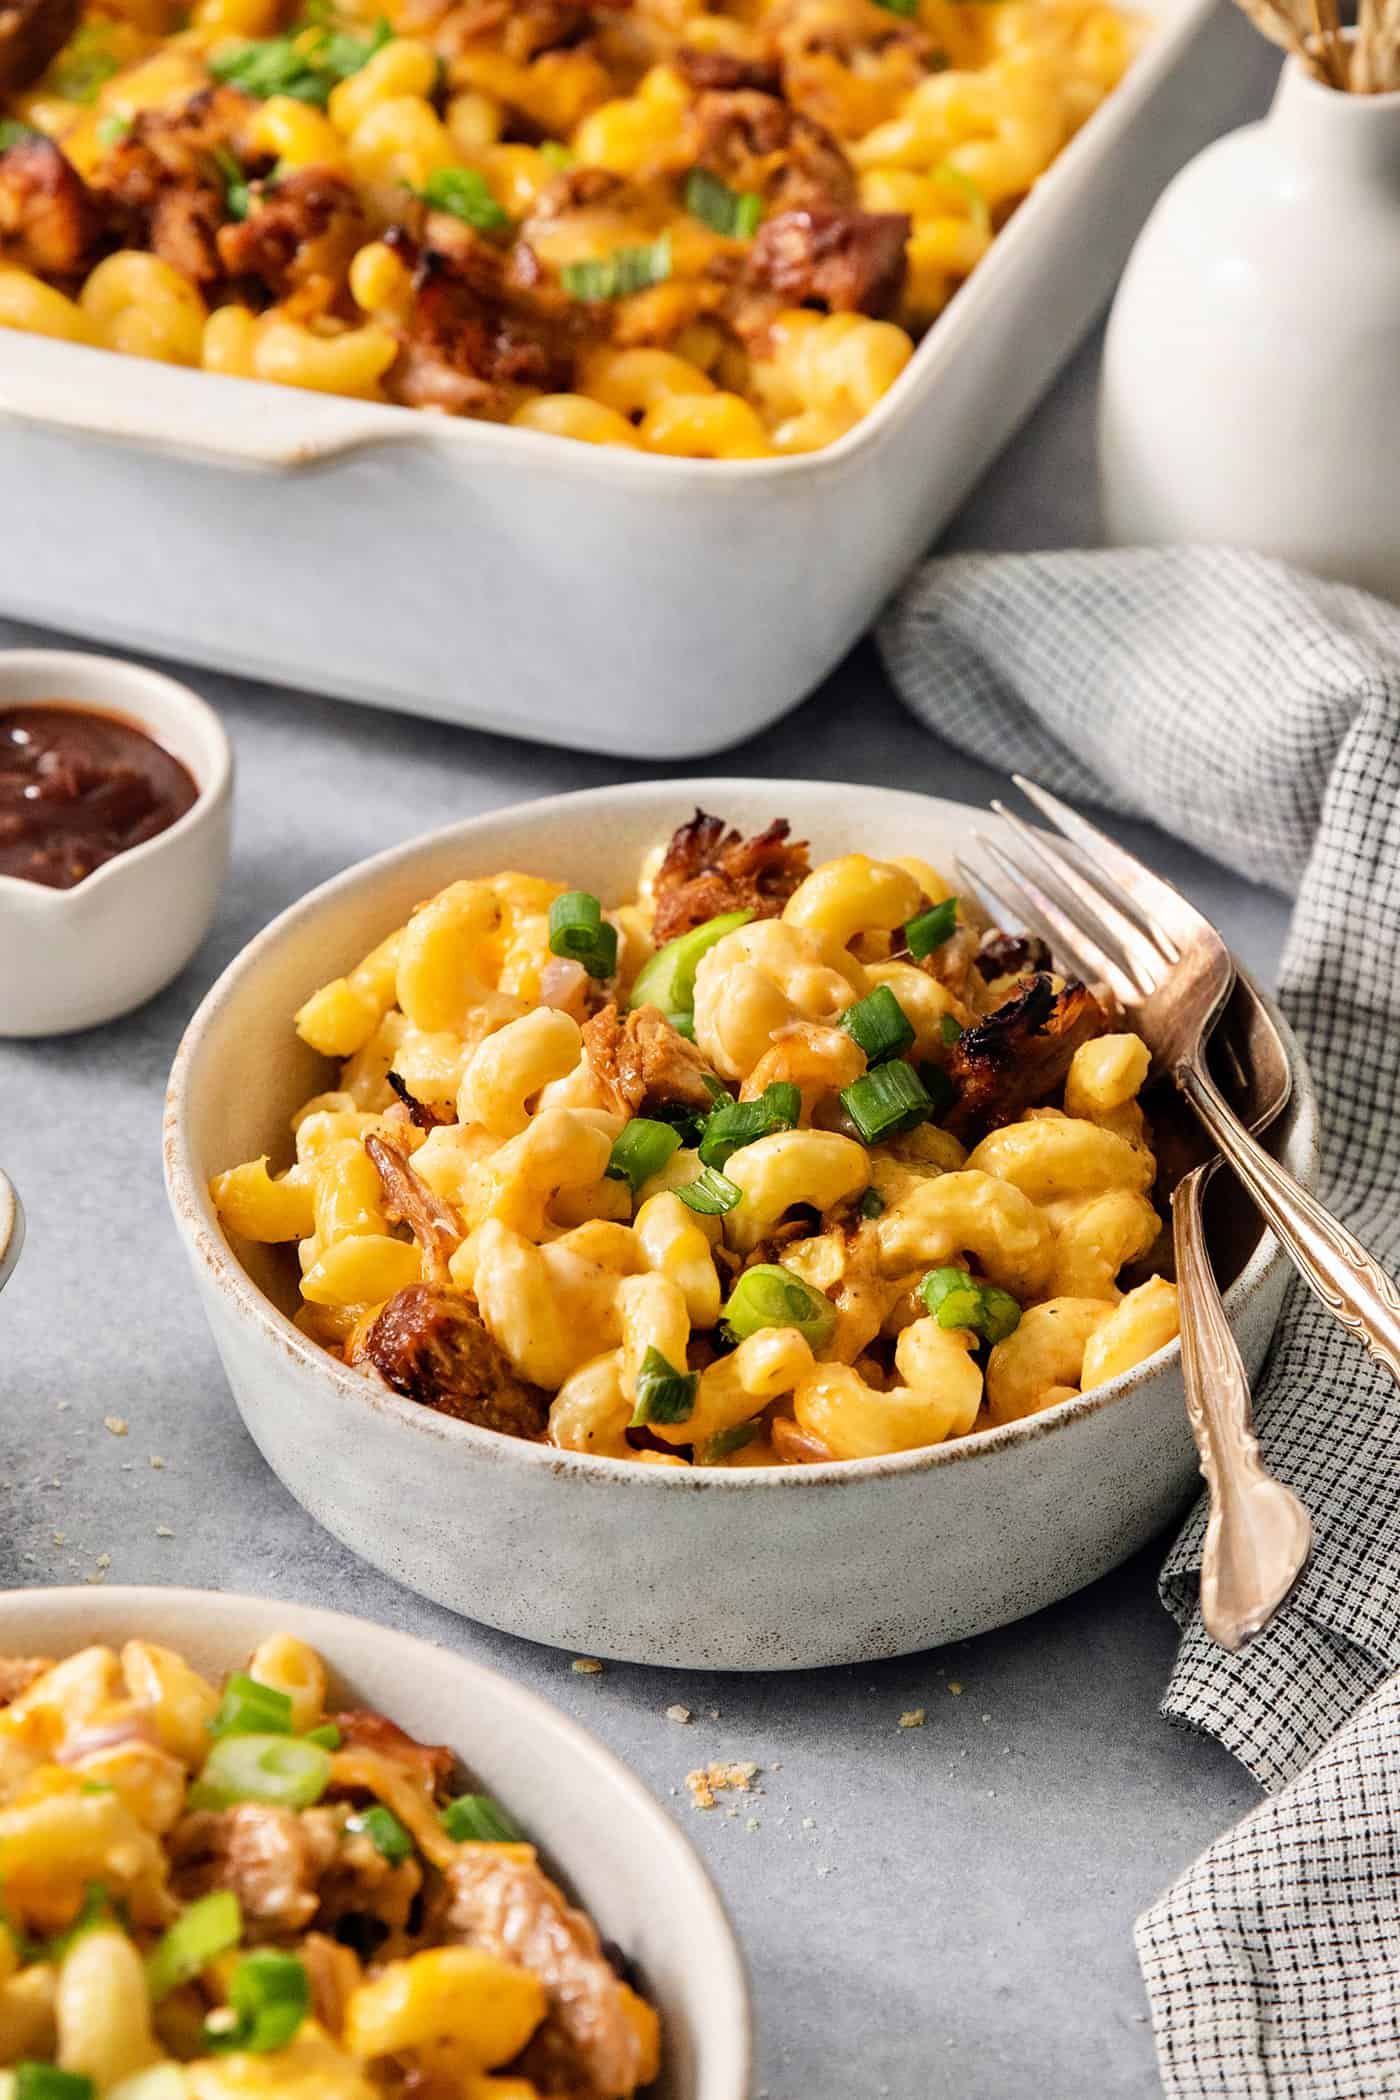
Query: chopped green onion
872	1203
880	1025
476	1817
200	1934
739	1123
268	1998
733	213
768	1295
111	130
47	2082
941	1091
86	63
710	1195
667	979
302	66
884	1102
949	1029
238	194
618	275
578	930
972	193
908	8
328	1736
250	1708
13	133
556	153
932	928
641	1149
384	1831
664	1394
96	1786
464	193
724	1442
285	1770
956	1299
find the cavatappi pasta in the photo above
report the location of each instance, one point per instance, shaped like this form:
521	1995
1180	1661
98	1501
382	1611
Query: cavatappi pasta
212	1893
770	1164
706	231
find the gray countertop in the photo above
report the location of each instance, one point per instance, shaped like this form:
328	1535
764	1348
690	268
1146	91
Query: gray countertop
933	1911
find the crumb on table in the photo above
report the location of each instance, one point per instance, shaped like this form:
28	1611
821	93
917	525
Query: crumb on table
708	1780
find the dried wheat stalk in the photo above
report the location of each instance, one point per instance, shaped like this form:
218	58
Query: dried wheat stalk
1365	63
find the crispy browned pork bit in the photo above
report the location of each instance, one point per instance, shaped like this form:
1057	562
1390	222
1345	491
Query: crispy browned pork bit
421	1114
587	2048
432	1346
709	870
644	1063
721	71
409	1201
757	142
847	261
162	182
1017	1057
31	33
302	229
466	342
49	219
1010	954
266	1856
431	1764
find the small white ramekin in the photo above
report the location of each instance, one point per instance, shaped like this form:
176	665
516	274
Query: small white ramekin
71	959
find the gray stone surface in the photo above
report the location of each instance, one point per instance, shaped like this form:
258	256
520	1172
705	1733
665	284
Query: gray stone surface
940	1911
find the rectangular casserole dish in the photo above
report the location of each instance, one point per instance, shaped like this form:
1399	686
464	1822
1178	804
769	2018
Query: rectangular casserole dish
639	605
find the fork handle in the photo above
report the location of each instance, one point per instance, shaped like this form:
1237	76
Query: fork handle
1258	1534
1330	1259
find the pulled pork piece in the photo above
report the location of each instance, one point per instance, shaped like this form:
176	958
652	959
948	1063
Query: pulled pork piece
31	33
644	1063
721	71
797	1446
409	1201
847	261
333	1973
708	870
18	1672
421	1114
1018	1056
432	1764
305	227
49	219
163	182
587	2046
265	1855
431	1345
463	348
754	141
1010	954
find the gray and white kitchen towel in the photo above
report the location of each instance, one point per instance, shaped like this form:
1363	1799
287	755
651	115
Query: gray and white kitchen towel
1254	712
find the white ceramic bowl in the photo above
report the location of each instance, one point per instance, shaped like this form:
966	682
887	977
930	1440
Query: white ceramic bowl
73	958
620	1854
784	1567
11	1229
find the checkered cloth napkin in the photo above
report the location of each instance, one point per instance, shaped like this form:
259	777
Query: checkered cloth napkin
1255	712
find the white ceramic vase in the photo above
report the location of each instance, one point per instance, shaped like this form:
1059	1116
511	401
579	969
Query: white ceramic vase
1251	379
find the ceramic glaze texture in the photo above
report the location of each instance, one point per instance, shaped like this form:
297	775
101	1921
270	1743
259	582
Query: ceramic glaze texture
619	1853
74	958
779	1568
1251	378
643	606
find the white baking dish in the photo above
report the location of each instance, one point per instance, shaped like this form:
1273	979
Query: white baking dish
646	606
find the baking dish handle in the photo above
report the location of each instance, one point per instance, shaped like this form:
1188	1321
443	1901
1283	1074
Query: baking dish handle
237	421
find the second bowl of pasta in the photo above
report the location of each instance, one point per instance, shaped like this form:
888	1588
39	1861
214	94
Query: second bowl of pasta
703	1239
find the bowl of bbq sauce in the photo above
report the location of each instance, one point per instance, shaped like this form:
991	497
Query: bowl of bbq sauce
115	793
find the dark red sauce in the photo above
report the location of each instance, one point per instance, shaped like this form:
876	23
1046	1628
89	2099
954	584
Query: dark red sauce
77	788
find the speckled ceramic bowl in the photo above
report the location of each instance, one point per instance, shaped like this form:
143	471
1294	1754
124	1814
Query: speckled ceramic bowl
773	1568
11	1229
620	1855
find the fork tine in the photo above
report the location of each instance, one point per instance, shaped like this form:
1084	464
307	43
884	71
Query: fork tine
1067	936
1100	917
1166	909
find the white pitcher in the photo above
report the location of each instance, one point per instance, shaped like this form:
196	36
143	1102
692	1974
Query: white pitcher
1251	378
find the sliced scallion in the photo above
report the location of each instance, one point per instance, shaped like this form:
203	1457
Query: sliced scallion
664	1394
884	1102
268	1998
667	979
956	1298
738	1123
327	1736
46	2082
932	928
640	1150
949	1029
733	213
199	1935
618	275
768	1295
880	1025
286	1770
384	1831
466	195
477	1818
725	1442
250	1708
711	1194
578	930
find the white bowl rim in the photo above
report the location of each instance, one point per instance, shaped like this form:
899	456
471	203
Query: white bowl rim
197	1222
215	1609
211	789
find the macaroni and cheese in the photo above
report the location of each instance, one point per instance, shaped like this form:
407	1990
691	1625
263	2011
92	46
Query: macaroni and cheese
712	231
214	1892
771	1163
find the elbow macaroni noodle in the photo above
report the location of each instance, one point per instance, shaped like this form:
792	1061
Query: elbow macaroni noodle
124	1817
581	1275
574	153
